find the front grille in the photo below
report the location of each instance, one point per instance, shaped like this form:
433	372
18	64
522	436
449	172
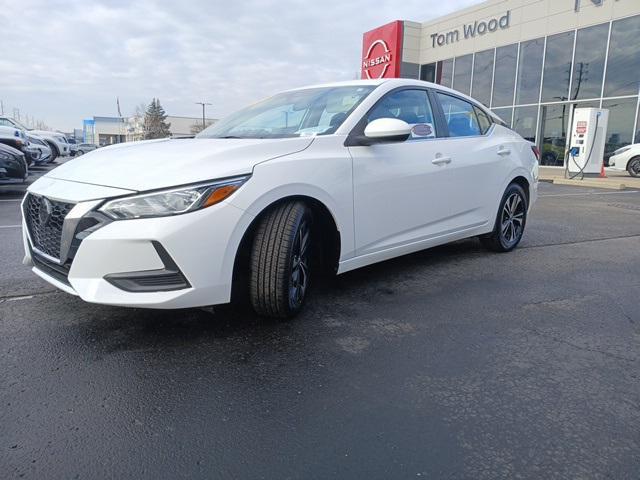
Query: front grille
45	218
59	272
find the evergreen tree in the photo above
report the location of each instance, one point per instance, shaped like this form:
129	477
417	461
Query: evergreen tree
155	125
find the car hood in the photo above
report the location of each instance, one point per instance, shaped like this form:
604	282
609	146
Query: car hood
149	165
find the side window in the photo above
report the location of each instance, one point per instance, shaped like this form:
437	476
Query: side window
460	116
412	106
483	120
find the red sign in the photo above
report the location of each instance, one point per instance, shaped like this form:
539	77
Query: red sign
581	127
382	51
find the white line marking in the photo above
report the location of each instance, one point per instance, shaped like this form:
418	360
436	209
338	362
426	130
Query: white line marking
17	299
10	226
588	193
12	200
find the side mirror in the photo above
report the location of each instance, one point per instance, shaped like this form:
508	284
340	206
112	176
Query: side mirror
387	130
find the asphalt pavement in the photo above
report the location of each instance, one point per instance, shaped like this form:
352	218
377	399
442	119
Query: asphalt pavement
450	363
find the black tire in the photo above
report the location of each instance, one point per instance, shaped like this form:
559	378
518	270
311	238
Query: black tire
510	221
54	152
280	264
79	152
633	167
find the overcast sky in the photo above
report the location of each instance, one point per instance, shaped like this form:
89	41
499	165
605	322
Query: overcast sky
65	60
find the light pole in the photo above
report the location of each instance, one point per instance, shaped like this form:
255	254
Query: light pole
204	125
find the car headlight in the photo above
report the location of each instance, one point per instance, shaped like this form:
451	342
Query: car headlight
172	202
622	150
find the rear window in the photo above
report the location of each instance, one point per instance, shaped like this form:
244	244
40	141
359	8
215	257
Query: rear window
483	120
460	116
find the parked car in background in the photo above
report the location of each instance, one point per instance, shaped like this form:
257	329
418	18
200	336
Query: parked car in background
38	143
73	146
627	158
12	136
13	165
85	148
259	203
16	138
56	140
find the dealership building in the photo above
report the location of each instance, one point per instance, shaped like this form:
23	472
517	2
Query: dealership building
110	130
530	61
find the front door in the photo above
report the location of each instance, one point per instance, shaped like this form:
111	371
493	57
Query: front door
400	188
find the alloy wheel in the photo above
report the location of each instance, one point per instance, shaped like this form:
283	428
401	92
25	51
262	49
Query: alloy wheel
512	219
300	265
634	167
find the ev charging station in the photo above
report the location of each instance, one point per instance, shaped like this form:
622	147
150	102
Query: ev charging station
588	136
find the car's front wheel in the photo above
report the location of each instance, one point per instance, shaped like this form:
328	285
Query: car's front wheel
633	167
510	221
280	260
54	153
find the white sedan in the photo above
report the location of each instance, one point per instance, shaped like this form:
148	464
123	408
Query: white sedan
627	158
325	178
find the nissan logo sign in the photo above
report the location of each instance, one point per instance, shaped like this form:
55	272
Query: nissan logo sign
378	54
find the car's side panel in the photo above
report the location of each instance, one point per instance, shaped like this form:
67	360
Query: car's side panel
323	171
400	195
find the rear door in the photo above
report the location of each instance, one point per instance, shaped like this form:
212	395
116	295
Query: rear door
478	161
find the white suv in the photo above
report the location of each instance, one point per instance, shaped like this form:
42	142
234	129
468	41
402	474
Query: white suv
331	177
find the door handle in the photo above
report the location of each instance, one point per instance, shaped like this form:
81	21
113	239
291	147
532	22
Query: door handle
504	151
440	160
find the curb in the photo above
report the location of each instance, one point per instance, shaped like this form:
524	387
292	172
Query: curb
610	185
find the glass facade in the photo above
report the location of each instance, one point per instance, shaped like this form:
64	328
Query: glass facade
483	76
557	67
525	121
535	85
445	72
505	75
462	74
529	71
622	115
588	65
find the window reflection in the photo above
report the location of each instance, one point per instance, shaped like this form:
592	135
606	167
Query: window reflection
505	76
588	68
554	120
525	120
557	67
482	76
445	72
462	74
622	114
623	66
529	71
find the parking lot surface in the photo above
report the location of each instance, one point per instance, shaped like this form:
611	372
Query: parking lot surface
449	363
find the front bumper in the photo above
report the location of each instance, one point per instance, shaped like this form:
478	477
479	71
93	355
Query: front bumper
201	245
619	162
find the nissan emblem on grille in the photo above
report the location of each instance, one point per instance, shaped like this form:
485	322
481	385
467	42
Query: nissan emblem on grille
45	219
46	209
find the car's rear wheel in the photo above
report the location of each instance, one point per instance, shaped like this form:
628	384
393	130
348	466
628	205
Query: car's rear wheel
280	266
633	167
510	221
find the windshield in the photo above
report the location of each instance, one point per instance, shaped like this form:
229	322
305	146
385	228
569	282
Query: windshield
313	111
